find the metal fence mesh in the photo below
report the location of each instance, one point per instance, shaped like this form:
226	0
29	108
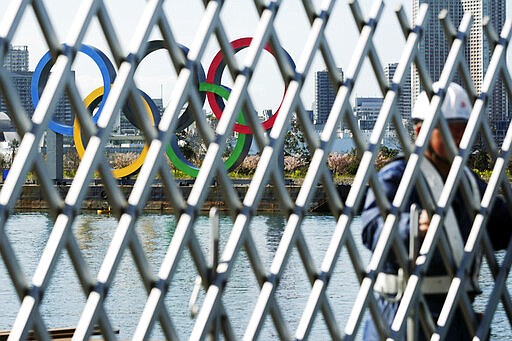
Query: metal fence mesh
241	239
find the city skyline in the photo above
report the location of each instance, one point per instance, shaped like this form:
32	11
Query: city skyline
16	61
241	19
157	77
477	55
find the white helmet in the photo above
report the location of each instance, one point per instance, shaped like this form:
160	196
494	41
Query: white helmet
456	105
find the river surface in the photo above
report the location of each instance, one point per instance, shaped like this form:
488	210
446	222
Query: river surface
64	298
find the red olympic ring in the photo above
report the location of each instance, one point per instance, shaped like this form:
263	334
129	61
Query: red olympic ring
214	77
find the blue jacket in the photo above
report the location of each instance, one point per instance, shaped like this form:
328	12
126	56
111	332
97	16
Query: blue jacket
390	176
498	228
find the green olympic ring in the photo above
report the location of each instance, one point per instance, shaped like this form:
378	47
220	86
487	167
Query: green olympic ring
240	151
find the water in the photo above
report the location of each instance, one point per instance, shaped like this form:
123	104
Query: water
28	233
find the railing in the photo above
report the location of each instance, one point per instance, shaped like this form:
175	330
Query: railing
65	210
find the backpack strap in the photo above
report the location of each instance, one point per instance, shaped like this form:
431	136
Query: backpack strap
451	227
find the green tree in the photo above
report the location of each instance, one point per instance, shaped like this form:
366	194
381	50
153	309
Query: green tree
295	142
4	161
71	161
480	160
387	152
191	145
13	149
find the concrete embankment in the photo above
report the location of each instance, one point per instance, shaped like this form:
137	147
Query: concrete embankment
32	198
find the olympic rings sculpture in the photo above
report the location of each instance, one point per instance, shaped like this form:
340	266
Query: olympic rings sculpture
210	89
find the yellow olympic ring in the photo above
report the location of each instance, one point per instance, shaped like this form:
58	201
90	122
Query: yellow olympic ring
77	136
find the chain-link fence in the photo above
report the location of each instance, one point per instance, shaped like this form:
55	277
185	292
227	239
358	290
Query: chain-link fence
213	316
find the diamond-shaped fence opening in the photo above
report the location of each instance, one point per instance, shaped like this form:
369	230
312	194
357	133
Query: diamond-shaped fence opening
287	275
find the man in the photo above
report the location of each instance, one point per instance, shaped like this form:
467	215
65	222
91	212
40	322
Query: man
389	285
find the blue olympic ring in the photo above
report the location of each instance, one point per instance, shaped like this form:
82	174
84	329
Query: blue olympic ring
42	72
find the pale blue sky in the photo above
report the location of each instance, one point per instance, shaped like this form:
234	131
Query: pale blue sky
156	76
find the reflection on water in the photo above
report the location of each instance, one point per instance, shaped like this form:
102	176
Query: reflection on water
28	234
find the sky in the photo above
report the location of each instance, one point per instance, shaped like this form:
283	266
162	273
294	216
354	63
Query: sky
156	76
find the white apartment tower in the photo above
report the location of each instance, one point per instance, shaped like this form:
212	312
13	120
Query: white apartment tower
434	48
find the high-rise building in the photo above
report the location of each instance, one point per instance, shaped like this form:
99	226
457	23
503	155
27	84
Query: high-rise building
324	95
478	55
16	59
17	63
404	101
266	114
21	82
434	48
63	111
366	109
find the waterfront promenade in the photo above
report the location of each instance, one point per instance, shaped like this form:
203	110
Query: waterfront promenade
32	198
